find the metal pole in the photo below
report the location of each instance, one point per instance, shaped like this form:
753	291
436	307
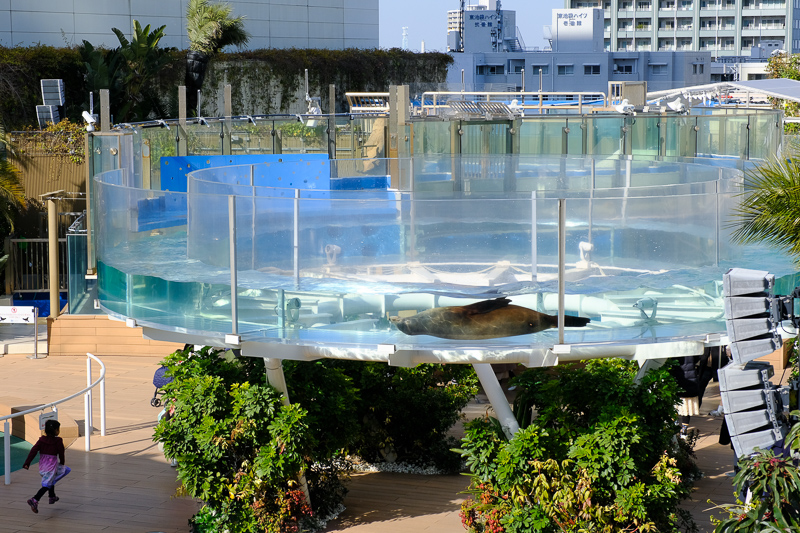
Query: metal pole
7	452
296	243
562	237
234	282
716	219
253	218
534	253
52	250
35	332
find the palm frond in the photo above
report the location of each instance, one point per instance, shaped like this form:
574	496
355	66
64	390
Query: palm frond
769	208
211	28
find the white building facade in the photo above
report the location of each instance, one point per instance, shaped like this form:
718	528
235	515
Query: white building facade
722	27
330	24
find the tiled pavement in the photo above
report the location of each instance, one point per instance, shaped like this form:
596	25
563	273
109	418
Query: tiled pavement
125	485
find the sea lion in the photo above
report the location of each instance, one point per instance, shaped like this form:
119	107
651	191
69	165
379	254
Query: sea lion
489	319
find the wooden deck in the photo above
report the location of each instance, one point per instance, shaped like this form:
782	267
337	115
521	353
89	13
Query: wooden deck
125	484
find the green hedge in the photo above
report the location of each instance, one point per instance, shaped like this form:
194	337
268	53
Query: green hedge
351	70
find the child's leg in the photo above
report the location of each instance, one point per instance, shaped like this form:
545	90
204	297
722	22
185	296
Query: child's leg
41	493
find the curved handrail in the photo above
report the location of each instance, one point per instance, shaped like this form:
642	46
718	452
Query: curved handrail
87	407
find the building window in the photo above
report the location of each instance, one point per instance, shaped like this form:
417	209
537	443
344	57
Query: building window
659	69
489	70
566	70
697	69
623	69
591	70
544	68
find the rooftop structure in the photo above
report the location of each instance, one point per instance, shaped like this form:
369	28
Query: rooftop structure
271	23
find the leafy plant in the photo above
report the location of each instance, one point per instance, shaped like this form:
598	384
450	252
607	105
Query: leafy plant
141	60
596	452
405	413
238	448
769	206
210	28
774	484
12	193
65	141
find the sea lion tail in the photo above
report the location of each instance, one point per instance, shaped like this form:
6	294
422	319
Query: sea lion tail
575	321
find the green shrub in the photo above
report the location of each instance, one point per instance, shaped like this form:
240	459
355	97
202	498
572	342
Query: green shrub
774	483
239	449
596	452
405	413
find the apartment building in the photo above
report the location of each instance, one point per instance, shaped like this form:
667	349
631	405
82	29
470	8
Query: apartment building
722	27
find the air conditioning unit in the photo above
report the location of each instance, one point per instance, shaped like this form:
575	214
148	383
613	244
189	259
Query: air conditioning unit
52	92
47	114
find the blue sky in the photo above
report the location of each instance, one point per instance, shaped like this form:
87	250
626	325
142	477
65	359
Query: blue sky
427	20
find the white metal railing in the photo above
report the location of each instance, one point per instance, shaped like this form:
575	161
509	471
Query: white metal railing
87	407
368	102
436	102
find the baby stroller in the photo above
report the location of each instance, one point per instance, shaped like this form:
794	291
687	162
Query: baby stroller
159	380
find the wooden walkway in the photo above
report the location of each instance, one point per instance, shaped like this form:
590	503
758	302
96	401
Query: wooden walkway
126	485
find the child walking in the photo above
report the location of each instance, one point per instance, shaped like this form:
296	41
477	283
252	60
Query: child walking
50	448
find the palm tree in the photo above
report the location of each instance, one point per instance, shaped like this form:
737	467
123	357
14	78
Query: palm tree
210	28
770	208
12	193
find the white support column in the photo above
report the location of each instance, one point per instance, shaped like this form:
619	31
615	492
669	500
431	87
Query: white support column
497	398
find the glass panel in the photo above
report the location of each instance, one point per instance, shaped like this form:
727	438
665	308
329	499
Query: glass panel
432	137
644	135
542	136
680	138
485	138
250	138
303	136
604	135
204	139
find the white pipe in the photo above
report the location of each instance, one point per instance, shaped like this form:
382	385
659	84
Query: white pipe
562	254
497	398
276	378
373	303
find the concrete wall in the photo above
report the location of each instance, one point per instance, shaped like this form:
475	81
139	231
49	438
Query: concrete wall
331	24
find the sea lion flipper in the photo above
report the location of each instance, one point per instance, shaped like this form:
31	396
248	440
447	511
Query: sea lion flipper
486	306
